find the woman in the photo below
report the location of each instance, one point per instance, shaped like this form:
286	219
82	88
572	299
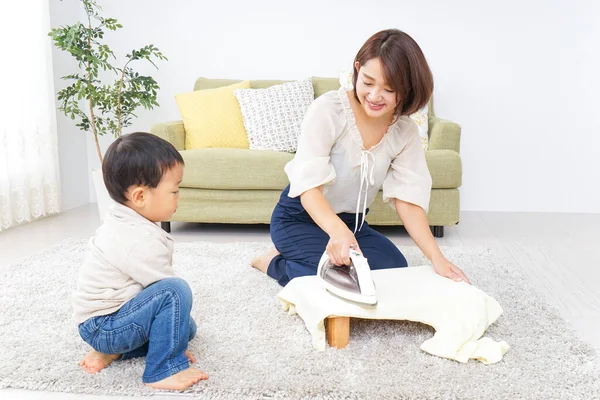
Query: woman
352	144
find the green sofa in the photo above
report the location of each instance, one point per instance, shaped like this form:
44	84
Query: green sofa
240	186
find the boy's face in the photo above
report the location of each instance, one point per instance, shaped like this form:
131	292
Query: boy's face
160	203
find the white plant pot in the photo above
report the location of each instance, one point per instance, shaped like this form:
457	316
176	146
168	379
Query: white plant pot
104	200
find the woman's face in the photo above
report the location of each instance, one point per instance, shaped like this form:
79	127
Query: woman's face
375	95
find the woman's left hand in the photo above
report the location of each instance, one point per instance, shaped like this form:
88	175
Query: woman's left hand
446	269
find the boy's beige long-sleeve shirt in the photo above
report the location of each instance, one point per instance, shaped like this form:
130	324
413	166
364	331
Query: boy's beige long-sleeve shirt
127	254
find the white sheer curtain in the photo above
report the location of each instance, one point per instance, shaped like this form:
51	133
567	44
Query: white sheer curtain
29	174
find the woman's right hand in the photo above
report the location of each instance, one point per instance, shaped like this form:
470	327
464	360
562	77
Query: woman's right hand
338	247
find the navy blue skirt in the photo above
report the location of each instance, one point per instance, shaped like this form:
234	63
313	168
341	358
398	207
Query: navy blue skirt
302	242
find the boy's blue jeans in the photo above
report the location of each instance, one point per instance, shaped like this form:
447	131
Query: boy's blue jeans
156	323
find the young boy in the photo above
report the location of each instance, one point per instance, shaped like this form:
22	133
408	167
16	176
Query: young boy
128	302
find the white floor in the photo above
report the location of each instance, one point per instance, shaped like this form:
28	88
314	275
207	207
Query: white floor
559	252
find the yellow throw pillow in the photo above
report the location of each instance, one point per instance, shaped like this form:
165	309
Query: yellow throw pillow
212	118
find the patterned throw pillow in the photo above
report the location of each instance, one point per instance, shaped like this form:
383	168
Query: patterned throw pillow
272	116
421	117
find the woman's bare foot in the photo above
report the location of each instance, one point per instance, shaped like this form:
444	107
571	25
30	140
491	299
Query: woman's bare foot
94	361
190	356
180	381
261	263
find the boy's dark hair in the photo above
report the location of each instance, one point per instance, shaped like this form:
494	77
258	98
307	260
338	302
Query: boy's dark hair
137	159
404	66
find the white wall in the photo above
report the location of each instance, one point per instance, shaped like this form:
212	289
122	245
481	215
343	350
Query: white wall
520	76
72	143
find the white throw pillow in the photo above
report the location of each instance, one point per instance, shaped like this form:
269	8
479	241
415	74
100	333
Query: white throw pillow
272	116
421	117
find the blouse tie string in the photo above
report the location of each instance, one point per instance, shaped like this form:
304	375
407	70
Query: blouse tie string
367	167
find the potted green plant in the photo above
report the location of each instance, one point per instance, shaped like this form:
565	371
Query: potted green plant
102	98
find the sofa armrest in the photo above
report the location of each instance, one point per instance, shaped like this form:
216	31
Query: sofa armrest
444	135
172	132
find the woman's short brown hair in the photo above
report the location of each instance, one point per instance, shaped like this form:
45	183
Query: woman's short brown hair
404	66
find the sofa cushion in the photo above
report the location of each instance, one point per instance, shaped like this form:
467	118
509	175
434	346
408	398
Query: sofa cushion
212	118
263	169
234	169
324	85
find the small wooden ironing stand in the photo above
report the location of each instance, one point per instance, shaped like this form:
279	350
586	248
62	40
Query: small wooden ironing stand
338	331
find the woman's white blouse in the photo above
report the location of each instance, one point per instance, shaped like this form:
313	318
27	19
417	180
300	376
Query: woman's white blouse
331	153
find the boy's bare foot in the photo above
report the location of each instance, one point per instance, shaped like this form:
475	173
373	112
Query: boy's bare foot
94	361
261	263
180	381
190	356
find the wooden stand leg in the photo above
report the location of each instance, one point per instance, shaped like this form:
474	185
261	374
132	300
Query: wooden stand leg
338	331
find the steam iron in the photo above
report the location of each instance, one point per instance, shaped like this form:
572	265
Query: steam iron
351	282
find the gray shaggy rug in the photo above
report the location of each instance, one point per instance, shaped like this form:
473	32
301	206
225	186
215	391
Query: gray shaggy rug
252	349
